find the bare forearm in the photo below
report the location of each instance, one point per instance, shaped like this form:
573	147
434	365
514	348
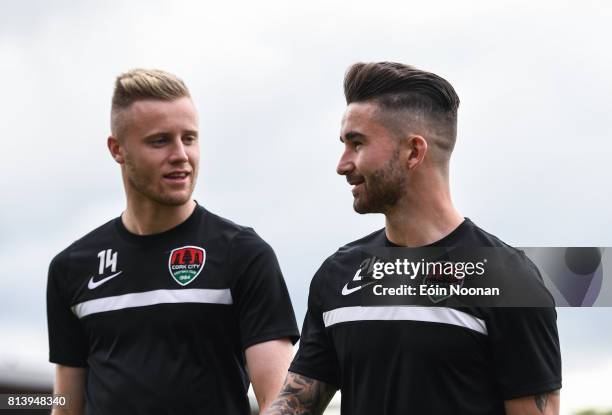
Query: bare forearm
70	382
301	395
268	363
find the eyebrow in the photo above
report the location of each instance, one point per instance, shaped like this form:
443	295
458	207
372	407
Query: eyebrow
166	134
155	135
351	135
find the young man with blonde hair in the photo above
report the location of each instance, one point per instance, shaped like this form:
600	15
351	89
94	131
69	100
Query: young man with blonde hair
168	308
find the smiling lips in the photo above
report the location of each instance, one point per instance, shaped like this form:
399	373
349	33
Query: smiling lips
178	176
355	181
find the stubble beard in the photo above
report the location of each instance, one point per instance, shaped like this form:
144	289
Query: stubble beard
144	186
382	189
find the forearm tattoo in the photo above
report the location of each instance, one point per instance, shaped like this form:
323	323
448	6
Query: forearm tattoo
301	395
542	400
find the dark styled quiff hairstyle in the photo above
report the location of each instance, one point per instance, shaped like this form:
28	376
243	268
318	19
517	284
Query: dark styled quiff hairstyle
397	87
140	84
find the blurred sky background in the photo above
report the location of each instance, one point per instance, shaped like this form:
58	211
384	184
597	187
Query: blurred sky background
532	162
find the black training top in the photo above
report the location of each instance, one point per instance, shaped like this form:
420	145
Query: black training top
162	321
424	360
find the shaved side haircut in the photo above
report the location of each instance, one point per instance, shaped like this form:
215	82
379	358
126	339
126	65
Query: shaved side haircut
410	101
142	84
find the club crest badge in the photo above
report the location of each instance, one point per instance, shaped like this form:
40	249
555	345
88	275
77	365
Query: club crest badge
186	263
438	286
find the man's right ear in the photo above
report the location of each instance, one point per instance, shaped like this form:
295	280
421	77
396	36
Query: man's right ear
115	148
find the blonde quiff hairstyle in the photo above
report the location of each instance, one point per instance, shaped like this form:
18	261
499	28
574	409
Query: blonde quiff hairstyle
142	84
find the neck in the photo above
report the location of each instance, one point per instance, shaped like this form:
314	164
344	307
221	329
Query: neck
425	215
149	217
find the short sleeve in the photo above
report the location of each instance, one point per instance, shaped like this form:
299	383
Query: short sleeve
260	293
68	343
525	350
316	357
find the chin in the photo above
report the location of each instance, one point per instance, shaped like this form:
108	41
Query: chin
178	201
361	207
172	199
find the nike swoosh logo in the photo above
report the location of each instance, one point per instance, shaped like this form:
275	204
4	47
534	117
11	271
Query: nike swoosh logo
91	284
346	290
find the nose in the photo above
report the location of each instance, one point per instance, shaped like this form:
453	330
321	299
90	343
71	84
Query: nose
345	164
179	152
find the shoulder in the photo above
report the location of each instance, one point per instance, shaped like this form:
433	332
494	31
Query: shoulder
95	237
376	238
223	224
63	265
519	273
237	234
355	248
477	237
242	241
348	256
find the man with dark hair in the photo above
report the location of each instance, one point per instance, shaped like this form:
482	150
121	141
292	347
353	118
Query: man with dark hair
398	131
168	308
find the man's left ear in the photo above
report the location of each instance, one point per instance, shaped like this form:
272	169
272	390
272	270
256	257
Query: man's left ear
415	147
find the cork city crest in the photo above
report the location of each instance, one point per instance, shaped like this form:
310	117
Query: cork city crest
186	263
440	286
